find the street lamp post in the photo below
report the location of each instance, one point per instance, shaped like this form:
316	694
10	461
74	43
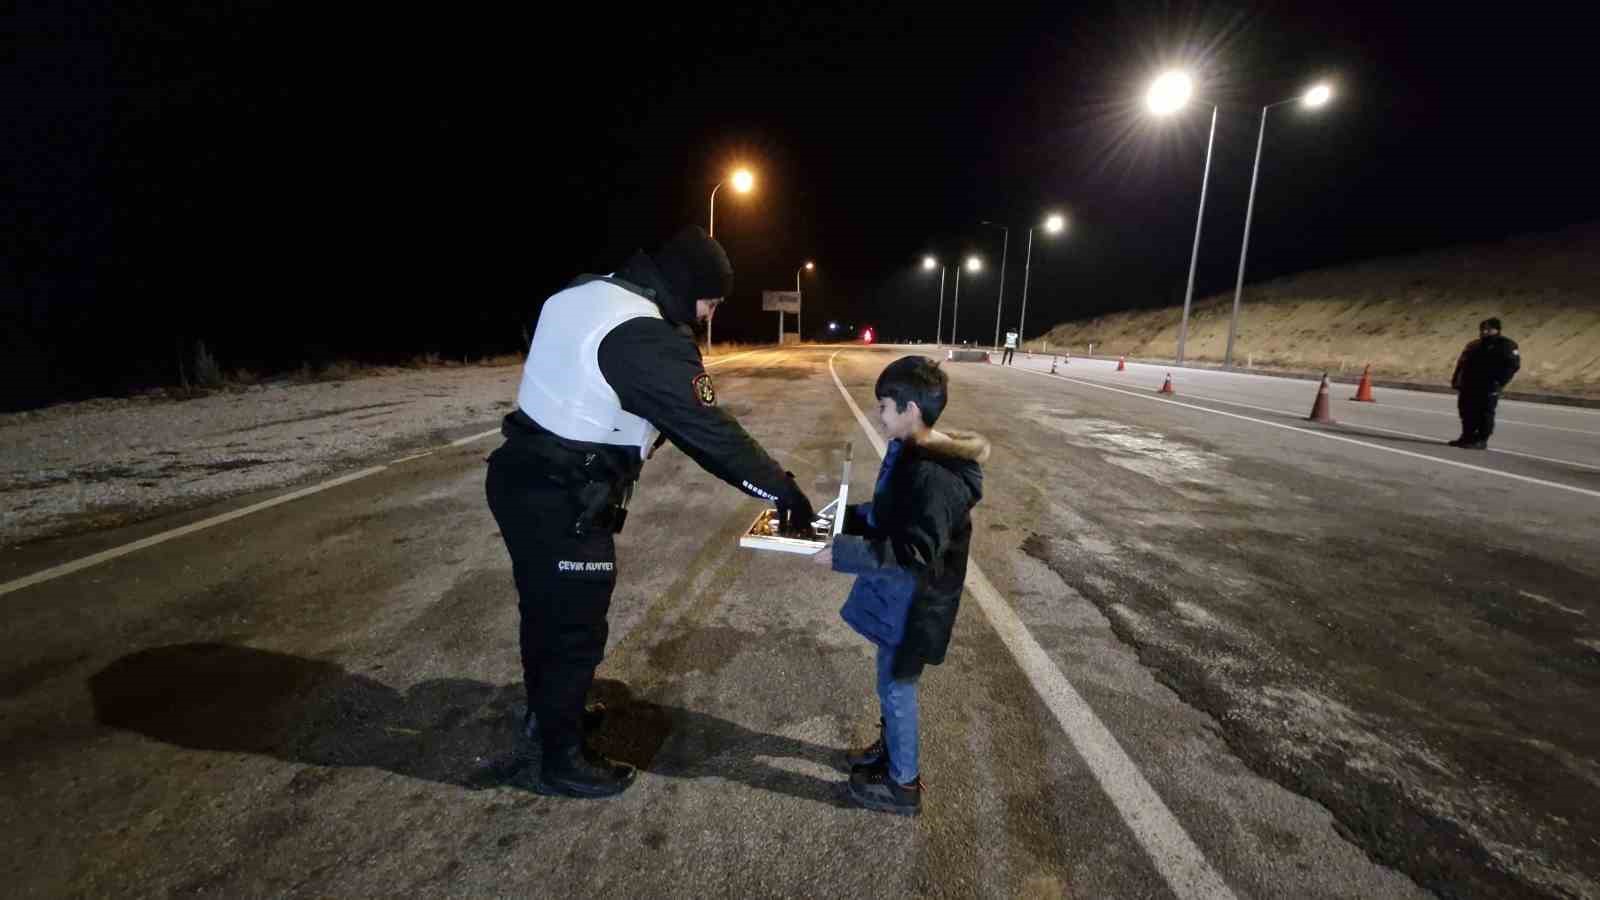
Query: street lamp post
1054	224
973	265
929	263
743	181
999	303
799	316
1317	96
1168	94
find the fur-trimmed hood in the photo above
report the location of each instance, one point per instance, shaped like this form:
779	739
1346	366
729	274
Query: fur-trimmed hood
957	445
961	453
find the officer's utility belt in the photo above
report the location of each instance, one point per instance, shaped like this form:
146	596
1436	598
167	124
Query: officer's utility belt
599	478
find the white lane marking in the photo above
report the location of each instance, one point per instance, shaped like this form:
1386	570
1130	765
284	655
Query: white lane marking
1542	407
79	565
115	552
1173	852
458	442
1326	435
1396	431
1446	412
1548	602
718	362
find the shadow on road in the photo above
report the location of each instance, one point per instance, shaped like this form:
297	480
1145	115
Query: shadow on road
453	731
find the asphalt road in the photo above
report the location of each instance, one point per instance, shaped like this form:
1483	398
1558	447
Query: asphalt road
1207	650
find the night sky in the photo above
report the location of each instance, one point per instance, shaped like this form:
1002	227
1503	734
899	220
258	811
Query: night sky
294	185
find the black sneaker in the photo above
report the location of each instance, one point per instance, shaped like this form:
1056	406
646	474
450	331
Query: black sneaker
583	773
871	755
1475	445
874	789
1457	442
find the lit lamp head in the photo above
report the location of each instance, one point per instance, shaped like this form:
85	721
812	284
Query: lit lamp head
1169	93
744	181
1055	224
974	264
930	263
810	266
1319	95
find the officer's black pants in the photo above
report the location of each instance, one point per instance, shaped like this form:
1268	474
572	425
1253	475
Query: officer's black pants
564	585
1005	358
1477	414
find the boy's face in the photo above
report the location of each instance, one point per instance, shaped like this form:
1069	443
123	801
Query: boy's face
899	425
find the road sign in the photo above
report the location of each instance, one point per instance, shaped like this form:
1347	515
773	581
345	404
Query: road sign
780	301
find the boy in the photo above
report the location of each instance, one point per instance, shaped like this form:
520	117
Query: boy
908	551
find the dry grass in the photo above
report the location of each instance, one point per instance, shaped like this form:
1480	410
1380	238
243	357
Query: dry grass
1407	316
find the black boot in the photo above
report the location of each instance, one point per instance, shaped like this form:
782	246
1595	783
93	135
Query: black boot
578	771
594	715
875	789
874	754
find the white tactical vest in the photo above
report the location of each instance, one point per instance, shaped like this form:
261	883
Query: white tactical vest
562	387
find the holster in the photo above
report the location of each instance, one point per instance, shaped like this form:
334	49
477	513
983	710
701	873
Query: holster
601	505
599	478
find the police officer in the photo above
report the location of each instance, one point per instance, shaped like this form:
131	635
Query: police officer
612	372
1011	347
1483	370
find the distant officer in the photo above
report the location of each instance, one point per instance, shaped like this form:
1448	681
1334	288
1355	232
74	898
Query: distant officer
612	372
1011	348
1483	370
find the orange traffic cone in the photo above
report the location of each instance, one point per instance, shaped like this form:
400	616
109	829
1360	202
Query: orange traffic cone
1364	390
1122	363
1166	387
1319	409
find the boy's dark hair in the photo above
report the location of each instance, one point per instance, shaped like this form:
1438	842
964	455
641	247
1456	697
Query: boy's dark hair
915	379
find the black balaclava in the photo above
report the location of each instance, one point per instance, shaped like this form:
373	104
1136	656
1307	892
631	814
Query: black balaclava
695	267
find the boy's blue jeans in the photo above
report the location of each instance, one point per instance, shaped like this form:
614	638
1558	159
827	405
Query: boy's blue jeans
898	700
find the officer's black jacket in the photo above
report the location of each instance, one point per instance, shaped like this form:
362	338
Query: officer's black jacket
657	372
1487	365
658	376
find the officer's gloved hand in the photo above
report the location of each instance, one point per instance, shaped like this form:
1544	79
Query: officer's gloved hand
794	510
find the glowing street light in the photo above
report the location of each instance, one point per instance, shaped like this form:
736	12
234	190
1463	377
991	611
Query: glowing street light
974	264
1315	98
744	181
1055	223
1169	93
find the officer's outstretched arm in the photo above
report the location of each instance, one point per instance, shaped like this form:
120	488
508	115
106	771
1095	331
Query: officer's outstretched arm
657	374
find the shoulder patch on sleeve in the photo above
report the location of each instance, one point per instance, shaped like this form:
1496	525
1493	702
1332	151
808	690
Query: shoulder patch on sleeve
704	392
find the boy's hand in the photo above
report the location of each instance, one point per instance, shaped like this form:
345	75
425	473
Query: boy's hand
823	557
